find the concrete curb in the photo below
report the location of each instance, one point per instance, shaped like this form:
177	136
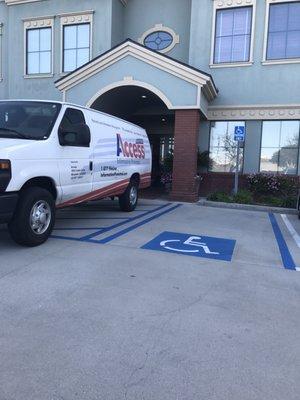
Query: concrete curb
249	207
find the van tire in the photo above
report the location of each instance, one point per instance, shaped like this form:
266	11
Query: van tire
129	199
22	228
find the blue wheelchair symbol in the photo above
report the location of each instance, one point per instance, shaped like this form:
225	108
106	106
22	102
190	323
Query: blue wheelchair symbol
197	246
239	133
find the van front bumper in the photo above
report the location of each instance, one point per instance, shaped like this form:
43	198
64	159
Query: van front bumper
8	203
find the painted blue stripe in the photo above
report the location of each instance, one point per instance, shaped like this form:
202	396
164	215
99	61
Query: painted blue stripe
86	218
65	238
79	229
141	223
286	256
92	235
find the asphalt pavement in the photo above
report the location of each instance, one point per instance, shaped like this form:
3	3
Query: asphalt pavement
172	301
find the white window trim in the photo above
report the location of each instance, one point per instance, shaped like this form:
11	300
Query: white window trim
265	61
161	27
37	23
1	51
84	17
220	5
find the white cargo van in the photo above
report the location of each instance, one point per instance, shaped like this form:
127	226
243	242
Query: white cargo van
55	155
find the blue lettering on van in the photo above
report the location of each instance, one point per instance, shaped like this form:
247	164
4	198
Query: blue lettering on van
129	149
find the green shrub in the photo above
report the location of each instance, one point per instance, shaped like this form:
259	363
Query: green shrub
243	197
275	190
220	196
289	202
270	201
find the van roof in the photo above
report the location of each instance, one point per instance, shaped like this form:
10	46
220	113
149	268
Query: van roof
65	103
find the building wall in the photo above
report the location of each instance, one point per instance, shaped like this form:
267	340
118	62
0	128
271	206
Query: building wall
20	87
117	25
254	84
141	15
192	20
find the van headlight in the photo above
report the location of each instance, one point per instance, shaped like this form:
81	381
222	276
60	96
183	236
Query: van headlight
5	174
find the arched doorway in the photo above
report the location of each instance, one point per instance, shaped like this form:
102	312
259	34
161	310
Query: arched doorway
165	96
144	108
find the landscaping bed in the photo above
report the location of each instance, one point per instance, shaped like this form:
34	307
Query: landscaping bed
263	189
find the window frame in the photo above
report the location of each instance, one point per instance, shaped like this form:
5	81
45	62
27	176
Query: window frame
222	5
161	28
77	48
265	61
241	171
75	19
279	148
31	24
61	121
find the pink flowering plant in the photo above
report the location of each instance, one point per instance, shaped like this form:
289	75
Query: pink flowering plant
280	189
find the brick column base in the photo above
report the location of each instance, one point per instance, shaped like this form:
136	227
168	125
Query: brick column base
185	185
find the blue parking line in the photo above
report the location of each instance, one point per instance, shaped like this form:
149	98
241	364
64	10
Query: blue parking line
286	256
133	227
65	238
79	229
92	235
80	218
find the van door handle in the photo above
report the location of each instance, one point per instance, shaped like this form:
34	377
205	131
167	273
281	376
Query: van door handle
91	165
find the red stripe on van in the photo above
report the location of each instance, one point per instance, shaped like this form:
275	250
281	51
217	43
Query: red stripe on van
111	190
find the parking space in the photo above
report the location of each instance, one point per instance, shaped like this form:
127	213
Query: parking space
236	236
102	223
172	301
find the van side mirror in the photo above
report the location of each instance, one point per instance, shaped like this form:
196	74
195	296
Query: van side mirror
78	135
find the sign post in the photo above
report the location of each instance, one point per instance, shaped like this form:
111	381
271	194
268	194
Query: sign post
239	137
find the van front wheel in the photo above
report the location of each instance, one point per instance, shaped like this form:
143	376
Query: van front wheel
129	199
34	218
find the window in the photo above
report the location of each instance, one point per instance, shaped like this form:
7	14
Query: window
284	31
73	131
233	35
279	147
166	147
158	40
76	46
39	51
27	119
223	147
72	117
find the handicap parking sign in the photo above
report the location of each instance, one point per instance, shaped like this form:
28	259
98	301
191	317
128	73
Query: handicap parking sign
239	133
193	245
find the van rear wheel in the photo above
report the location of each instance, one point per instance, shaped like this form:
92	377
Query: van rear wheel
34	218
129	199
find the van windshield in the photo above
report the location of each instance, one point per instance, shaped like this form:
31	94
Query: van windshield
27	119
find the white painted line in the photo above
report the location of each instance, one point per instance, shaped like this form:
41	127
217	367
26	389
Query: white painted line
292	231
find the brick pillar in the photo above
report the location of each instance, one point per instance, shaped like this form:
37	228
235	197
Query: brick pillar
185	186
